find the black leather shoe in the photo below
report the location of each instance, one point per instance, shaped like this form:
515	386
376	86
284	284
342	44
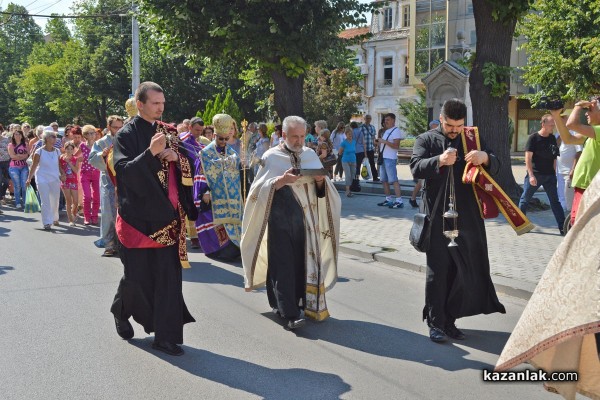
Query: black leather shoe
276	311
295	323
437	335
167	347
453	332
124	328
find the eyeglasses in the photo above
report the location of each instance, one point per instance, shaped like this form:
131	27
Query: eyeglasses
222	138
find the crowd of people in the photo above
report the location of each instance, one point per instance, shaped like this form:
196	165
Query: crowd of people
271	201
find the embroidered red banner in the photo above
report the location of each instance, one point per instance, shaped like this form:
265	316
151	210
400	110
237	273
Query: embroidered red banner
490	196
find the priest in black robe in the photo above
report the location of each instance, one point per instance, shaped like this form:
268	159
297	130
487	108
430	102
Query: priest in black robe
458	278
152	200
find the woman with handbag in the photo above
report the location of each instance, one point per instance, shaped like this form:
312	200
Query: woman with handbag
348	154
325	152
18	170
48	176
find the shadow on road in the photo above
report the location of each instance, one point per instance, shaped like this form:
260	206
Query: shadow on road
208	273
3	269
268	383
387	341
4	232
489	341
11	218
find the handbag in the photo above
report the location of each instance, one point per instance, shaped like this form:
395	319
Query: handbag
420	232
329	161
355	186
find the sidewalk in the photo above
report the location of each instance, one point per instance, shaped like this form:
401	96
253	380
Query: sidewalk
381	234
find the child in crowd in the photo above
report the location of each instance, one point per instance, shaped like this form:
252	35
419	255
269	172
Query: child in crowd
70	167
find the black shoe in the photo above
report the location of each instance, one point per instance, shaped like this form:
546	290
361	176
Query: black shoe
413	203
437	335
295	323
453	332
276	311
124	328
562	232
167	347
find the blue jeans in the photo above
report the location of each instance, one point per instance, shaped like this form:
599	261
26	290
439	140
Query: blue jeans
549	183
108	205
18	175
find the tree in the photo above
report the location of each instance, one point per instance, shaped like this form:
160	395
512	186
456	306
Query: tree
283	37
18	35
331	95
563	47
495	22
217	106
58	30
415	113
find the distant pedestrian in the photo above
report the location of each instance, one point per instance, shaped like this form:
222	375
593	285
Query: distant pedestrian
46	168
348	154
70	166
90	178
18	170
388	150
541	152
370	134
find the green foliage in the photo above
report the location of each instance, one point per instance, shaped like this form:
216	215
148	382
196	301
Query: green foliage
226	105
510	10
18	36
563	44
407	143
415	114
497	77
280	37
331	95
57	29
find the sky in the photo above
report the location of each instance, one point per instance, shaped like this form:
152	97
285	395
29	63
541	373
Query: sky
45	7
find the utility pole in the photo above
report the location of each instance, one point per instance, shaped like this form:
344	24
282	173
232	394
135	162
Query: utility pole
135	50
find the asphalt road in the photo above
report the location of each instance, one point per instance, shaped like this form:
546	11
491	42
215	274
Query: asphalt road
59	341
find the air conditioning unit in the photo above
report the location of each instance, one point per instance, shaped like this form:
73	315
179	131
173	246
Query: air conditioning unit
364	69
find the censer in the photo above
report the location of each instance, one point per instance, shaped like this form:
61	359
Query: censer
450	216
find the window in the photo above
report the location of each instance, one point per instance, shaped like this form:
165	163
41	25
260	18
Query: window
430	41
404	80
388	71
387	19
406	16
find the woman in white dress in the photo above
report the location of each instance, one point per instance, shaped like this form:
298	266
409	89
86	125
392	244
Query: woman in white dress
48	176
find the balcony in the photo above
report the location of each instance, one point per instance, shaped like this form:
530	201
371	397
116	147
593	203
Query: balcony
385	83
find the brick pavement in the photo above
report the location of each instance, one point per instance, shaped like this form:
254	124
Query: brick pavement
522	258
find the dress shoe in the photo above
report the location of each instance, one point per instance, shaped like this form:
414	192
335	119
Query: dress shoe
195	243
167	347
124	328
437	335
453	332
276	311
295	323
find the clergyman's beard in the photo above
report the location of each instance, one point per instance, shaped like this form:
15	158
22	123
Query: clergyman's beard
293	148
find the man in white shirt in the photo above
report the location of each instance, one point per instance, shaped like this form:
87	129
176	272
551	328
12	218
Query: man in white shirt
388	149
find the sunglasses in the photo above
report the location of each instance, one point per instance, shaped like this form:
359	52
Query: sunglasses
222	138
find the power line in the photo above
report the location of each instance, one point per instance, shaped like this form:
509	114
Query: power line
49	6
32	3
73	16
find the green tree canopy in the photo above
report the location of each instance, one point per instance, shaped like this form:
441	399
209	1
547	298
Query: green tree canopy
284	37
563	45
415	114
331	95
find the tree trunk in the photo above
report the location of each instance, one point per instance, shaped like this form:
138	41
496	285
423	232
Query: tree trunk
288	94
490	114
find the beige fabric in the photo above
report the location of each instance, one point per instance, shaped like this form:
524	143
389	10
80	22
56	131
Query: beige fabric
322	222
556	329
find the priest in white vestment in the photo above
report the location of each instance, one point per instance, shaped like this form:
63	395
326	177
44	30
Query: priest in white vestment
290	229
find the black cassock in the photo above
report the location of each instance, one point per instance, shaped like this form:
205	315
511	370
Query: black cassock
458	278
286	274
150	289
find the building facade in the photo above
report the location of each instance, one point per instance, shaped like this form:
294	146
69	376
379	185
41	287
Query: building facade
410	40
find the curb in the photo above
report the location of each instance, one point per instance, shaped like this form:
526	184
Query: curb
508	286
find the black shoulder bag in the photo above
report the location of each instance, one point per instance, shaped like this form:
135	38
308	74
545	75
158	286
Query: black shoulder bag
420	233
